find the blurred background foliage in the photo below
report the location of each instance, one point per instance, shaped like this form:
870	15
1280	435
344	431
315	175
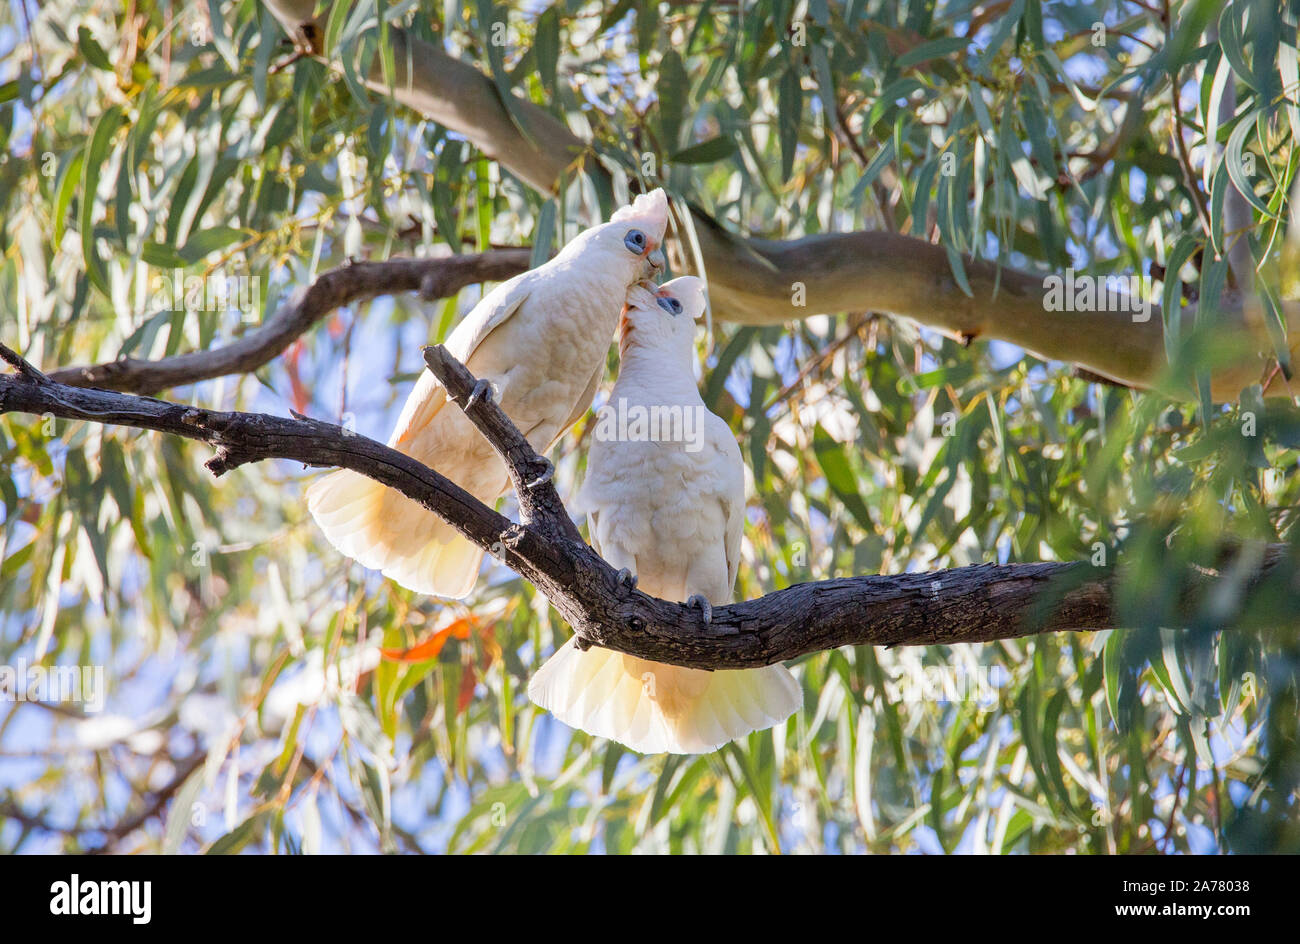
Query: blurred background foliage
249	705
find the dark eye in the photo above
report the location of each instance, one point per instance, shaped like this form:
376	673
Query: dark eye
635	241
670	305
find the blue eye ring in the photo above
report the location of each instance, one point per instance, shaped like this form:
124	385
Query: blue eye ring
635	241
669	304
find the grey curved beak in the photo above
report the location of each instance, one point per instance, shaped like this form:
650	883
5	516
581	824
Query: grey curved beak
656	258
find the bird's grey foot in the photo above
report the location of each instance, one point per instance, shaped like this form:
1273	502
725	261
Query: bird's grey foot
626	578
482	391
706	608
545	477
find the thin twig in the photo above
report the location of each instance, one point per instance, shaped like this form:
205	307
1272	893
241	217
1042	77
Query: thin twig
348	283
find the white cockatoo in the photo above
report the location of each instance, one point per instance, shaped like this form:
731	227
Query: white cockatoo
665	503
537	344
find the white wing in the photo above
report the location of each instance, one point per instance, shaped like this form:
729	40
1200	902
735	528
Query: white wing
731	490
495	308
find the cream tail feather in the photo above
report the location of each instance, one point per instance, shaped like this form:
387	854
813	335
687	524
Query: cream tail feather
384	530
655	708
541	340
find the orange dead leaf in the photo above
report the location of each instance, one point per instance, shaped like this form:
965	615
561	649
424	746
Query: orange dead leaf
430	648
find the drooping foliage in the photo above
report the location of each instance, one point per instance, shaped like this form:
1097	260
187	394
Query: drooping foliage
263	693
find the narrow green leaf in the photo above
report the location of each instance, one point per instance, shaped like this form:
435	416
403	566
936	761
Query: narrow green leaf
706	152
878	163
69	179
934	49
92	50
206	241
840	476
790	105
239	837
543	234
1236	161
96	155
546	46
673	89
180	812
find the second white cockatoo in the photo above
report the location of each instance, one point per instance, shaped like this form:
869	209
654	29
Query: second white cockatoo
668	511
537	344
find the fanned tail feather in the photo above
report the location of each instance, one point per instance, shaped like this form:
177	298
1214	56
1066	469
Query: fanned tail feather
654	708
386	531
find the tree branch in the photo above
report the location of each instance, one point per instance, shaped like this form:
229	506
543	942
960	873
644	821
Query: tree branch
355	281
969	604
119	831
752	281
537	503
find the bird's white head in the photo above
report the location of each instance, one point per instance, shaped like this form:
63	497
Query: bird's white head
631	242
663	318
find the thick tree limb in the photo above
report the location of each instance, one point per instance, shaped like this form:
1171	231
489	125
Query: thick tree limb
969	604
355	281
752	280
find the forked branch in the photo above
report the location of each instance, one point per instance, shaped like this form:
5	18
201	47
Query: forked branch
969	604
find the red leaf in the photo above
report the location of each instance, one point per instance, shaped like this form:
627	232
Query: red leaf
300	394
468	679
491	648
430	648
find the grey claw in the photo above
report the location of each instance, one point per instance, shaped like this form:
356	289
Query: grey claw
706	608
626	578
482	391
542	479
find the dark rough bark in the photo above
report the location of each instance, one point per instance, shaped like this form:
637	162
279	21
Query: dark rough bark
537	503
355	281
968	604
